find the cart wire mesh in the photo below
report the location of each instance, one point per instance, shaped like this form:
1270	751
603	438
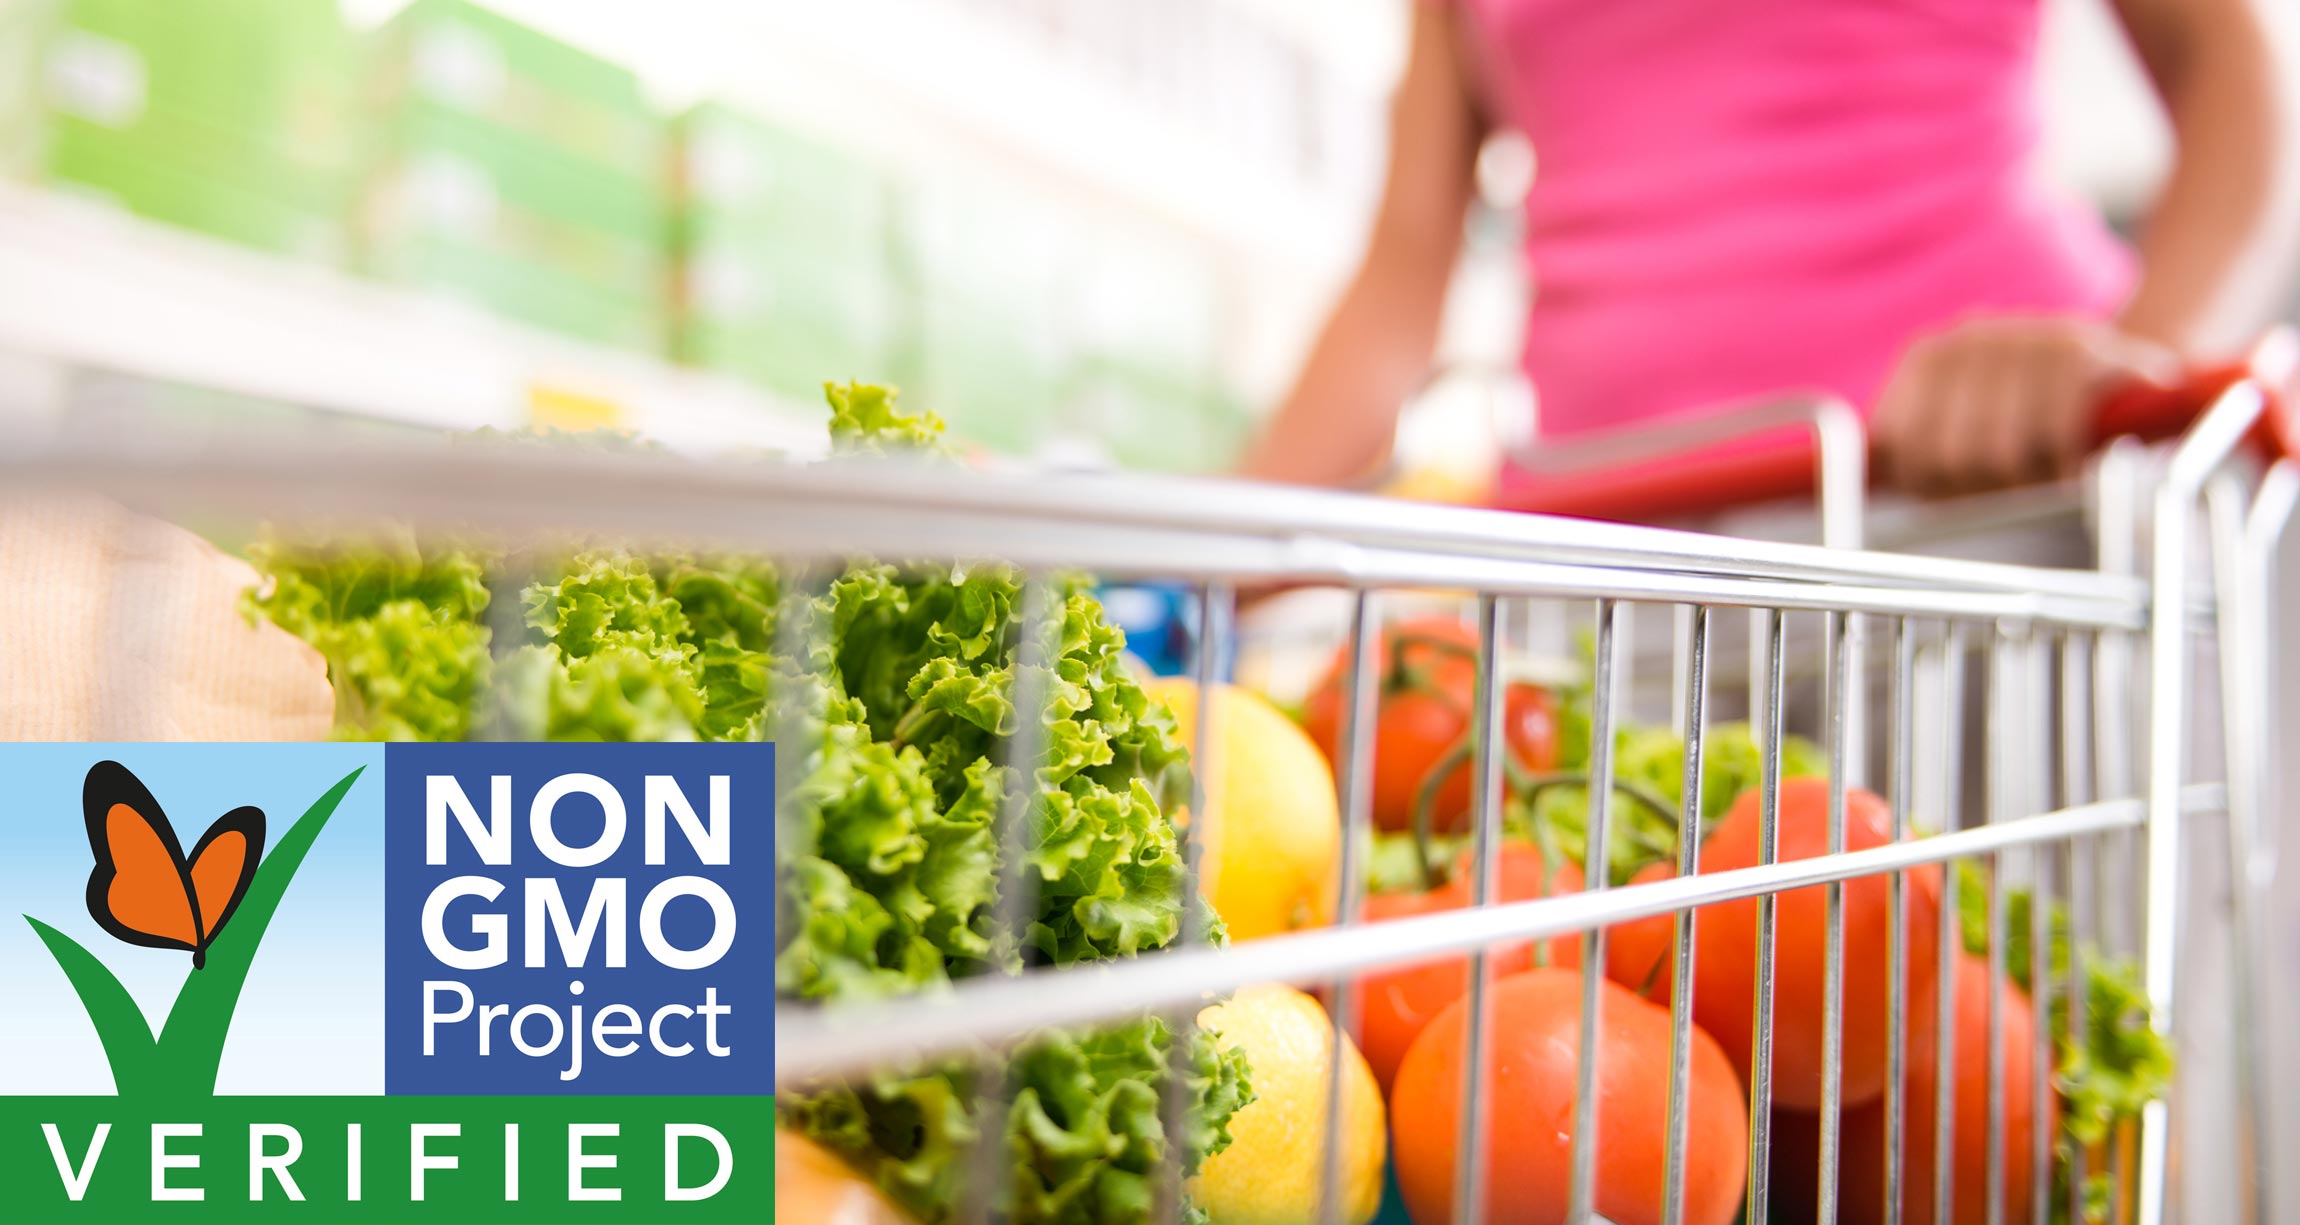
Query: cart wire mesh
2091	681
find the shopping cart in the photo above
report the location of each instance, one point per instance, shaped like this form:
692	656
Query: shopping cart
2073	826
1808	454
2091	674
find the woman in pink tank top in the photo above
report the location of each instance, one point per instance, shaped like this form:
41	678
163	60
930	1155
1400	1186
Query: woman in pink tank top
1744	197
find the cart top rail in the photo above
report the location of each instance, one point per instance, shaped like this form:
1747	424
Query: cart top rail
1202	529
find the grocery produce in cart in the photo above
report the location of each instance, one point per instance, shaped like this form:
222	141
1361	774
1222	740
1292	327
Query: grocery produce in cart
1420	872
813	1185
1529	1087
901	689
1271	1174
1393	1007
1270	861
1724	984
1968	1158
1421	729
903	679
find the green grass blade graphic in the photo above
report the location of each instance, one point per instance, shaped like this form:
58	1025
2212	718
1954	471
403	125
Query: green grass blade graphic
119	1023
191	1044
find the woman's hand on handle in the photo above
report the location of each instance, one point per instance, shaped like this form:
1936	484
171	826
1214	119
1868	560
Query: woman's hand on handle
2004	401
1995	402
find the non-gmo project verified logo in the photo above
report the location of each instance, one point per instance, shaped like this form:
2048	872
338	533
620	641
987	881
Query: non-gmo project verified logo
386	983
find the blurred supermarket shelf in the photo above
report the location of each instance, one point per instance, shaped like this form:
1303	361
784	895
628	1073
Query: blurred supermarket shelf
1252	130
1240	132
90	289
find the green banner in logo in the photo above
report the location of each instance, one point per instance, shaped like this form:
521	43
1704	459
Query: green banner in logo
418	1159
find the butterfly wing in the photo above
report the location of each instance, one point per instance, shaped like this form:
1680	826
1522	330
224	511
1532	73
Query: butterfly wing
223	865
137	891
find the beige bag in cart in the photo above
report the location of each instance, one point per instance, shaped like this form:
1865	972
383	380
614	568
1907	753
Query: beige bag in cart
115	626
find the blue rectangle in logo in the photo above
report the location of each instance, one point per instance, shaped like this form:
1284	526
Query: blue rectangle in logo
579	918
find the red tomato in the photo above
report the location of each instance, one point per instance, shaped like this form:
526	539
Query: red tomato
1529	724
1380	906
1862	1154
1395	1005
1523	873
1428	689
1724	962
1637	952
1861	1199
1534	1042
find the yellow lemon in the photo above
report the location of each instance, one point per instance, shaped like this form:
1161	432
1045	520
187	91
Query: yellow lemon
1272	859
1270	1174
1441	485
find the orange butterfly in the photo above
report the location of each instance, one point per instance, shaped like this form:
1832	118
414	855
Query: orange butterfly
143	889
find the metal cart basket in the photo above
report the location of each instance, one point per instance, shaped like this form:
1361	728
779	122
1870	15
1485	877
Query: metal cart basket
2095	797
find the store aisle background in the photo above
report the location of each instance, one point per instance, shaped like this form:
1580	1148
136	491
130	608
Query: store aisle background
1138	211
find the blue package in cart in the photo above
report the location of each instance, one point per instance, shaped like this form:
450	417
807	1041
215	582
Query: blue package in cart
1161	621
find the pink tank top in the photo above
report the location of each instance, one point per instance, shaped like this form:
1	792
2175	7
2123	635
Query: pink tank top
1740	197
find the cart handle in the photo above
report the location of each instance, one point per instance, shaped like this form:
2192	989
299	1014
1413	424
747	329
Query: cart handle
1698	482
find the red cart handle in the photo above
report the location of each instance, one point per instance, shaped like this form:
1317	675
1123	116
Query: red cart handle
1704	482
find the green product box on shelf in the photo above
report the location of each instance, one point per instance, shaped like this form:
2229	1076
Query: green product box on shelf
535	294
231	118
988	373
24	28
281	72
217	206
717	237
444	175
516	172
991	246
534	174
1149	418
793	356
465	58
72	149
1163	423
787	315
735	176
741	286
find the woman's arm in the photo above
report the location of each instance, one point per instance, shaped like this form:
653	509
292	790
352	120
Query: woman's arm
2000	401
2219	248
1337	423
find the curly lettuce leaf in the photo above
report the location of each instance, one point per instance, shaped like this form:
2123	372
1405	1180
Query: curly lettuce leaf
865	421
1085	1130
898	708
608	602
615	694
2120	1064
400	630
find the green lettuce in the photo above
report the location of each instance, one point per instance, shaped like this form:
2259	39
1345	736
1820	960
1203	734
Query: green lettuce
1651	760
893	688
400	629
2117	1067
